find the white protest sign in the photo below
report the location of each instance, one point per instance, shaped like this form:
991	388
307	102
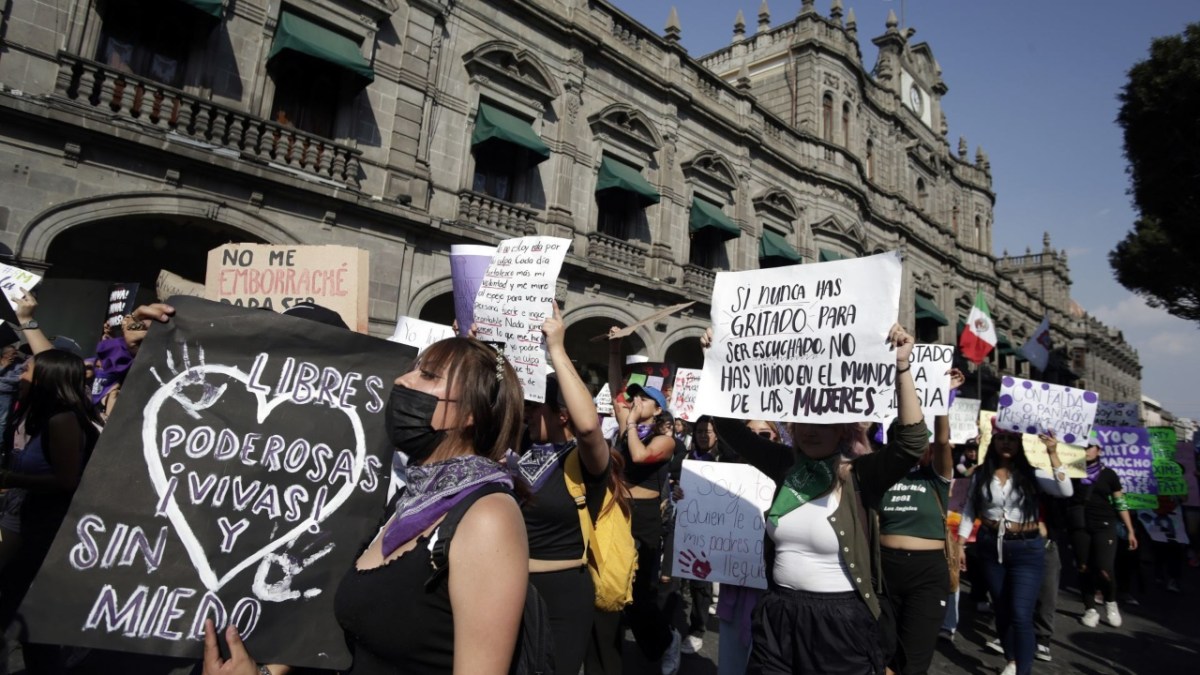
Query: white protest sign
603	401
1110	414
964	419
418	333
804	342
14	282
719	523
515	298
1033	407
683	394
931	366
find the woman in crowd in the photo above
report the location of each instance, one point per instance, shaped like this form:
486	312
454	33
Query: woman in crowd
566	423
1095	508
912	526
455	415
821	610
647	452
1004	495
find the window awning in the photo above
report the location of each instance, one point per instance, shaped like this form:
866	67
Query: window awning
494	124
1003	345
211	7
305	37
708	216
927	309
829	256
617	175
775	246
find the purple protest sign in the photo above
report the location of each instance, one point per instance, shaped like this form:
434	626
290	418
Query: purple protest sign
1128	452
1185	454
468	265
1033	407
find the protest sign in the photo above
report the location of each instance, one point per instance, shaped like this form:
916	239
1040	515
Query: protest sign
1127	451
964	420
1162	440
278	277
931	366
14	282
1185	454
683	393
1164	527
1110	414
418	333
719	523
646	373
604	401
1073	457
468	265
170	284
231	484
122	298
515	298
804	342
1040	407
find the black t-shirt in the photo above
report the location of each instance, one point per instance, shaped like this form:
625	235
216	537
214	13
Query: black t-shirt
552	519
649	475
1095	499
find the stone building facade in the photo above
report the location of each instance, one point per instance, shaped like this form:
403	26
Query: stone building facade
141	134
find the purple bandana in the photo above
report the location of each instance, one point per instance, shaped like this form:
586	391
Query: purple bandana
112	363
538	462
644	431
1093	472
434	489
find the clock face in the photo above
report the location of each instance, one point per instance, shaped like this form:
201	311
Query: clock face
915	99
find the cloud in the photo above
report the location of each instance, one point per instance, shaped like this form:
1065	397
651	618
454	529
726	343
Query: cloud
1077	252
1132	312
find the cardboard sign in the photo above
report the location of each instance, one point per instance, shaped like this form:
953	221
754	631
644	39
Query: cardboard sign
1127	451
719	523
964	420
418	333
15	282
804	343
604	401
1073	457
170	284
515	298
1109	414
468	265
122	298
1040	407
231	483
277	277
646	373
632	328
1164	527
683	393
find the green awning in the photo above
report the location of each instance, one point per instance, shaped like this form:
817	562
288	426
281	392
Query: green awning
706	215
213	7
1003	345
927	309
617	175
305	37
775	246
493	124
830	256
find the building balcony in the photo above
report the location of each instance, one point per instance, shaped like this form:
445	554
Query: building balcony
627	256
124	97
495	215
698	281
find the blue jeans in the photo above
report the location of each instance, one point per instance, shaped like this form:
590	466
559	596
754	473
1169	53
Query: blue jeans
1014	586
950	623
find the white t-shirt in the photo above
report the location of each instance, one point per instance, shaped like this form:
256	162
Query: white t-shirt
806	549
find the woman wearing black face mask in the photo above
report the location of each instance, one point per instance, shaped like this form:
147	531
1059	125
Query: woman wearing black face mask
455	415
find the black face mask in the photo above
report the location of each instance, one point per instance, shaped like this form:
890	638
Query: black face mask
409	420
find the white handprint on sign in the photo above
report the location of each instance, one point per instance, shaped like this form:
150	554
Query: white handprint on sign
209	394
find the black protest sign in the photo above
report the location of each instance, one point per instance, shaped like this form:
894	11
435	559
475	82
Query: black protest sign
245	465
121	301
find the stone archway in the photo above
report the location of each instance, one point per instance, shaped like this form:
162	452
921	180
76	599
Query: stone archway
685	350
439	309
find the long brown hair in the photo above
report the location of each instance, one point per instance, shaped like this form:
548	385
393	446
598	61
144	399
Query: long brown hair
616	483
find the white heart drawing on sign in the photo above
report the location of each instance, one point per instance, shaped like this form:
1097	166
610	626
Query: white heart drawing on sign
1129	437
158	476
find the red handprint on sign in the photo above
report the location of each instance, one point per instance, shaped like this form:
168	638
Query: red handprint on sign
697	565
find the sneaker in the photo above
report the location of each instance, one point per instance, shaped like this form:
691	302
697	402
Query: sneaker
712	609
995	646
670	658
947	635
1009	669
984	607
1091	618
692	644
1112	614
1043	653
1173	586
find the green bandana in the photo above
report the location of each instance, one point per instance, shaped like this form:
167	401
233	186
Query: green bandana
809	478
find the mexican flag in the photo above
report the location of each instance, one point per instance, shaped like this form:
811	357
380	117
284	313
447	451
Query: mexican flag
978	338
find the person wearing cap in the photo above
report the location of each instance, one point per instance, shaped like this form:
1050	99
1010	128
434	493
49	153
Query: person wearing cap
647	453
1092	516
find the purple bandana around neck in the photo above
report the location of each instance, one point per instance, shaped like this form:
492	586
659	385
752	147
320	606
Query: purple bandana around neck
644	431
434	489
1093	472
538	462
113	361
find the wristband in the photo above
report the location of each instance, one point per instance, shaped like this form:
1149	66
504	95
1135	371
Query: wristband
264	670
898	371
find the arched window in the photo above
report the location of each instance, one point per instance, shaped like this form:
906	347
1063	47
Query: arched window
978	232
870	159
846	124
922	195
827	116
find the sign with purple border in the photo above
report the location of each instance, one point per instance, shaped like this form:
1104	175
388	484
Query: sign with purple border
1032	407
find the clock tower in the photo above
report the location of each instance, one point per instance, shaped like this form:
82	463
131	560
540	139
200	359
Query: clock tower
911	72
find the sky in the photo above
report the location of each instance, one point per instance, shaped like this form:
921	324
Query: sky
1035	83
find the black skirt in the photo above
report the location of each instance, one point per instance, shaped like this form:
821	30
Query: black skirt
802	632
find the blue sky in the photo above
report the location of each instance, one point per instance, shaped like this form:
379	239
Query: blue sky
1035	83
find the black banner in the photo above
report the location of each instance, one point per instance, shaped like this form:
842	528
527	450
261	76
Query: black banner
245	464
122	299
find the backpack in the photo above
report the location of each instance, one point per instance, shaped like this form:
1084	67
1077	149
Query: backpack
534	653
608	543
